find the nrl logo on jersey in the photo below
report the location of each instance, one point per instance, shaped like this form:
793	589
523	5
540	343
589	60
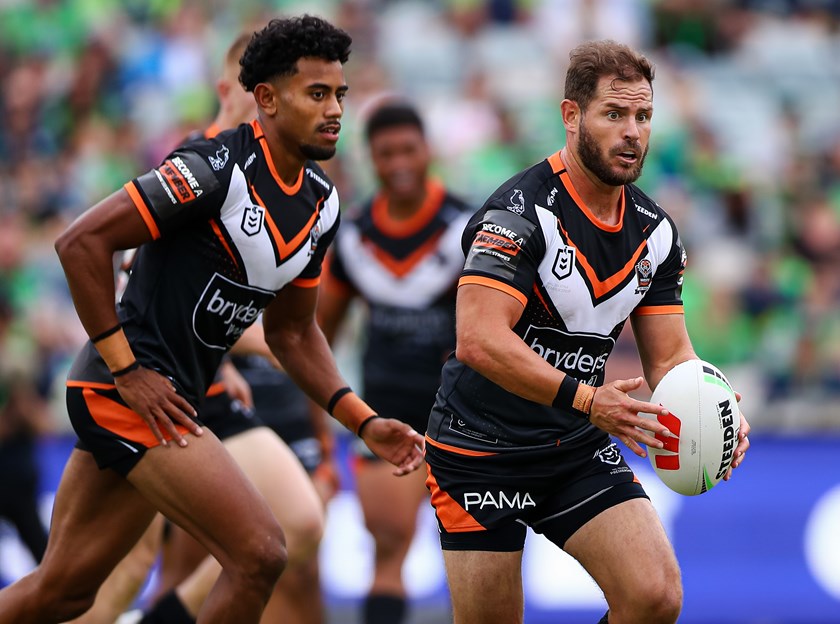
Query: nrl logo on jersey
517	202
252	220
219	161
564	262
644	275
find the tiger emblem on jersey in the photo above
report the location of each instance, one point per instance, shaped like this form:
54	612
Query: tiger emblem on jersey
644	275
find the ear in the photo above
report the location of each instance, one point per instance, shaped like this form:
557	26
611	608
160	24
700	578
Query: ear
571	115
267	97
222	89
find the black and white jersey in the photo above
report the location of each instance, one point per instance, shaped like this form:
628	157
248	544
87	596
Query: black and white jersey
578	279
407	273
228	234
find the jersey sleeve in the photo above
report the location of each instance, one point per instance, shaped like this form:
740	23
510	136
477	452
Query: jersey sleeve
504	252
321	237
182	189
665	293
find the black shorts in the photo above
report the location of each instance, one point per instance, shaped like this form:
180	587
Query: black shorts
485	501
117	436
225	416
412	408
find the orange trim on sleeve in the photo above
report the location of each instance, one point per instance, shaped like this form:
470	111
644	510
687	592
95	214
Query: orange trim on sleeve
651	310
453	517
72	383
143	209
122	421
306	282
494	284
458	450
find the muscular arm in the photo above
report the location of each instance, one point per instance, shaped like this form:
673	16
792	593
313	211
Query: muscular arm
332	308
663	343
486	343
300	345
86	251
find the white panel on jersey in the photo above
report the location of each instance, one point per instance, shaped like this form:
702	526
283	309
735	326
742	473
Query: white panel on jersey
569	292
245	223
432	276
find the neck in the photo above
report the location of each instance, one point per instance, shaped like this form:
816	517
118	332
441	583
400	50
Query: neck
405	207
603	200
287	163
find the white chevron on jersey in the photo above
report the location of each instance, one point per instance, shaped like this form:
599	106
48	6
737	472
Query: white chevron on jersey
571	296
256	249
421	286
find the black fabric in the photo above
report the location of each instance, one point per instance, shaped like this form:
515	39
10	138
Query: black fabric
168	610
384	609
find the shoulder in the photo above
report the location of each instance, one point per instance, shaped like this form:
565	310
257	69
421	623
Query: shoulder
317	178
646	208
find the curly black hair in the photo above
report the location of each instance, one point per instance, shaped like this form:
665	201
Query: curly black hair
275	50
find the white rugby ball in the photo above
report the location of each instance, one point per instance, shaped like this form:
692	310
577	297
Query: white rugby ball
705	418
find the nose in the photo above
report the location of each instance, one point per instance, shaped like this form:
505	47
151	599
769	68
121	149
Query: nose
631	131
335	108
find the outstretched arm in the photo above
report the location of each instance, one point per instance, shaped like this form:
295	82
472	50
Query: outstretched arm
300	346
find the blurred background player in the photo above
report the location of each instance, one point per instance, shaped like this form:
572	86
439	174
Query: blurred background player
400	254
187	572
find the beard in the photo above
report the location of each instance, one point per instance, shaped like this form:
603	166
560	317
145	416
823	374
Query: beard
316	152
590	155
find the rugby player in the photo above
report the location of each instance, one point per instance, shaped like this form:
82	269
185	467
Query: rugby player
559	257
226	228
400	254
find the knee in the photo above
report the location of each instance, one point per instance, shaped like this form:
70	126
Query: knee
659	601
390	534
303	536
263	558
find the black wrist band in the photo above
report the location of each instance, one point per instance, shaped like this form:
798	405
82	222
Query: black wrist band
336	397
123	371
106	333
566	393
365	422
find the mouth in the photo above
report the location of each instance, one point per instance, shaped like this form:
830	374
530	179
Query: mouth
330	131
628	156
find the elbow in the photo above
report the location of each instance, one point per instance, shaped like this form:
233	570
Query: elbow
471	354
66	242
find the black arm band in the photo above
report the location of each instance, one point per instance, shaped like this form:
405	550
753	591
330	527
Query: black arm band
566	393
365	422
106	333
336	397
124	371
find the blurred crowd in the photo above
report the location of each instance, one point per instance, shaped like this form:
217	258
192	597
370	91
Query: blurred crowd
745	152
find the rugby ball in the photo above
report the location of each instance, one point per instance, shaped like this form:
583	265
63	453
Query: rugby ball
705	419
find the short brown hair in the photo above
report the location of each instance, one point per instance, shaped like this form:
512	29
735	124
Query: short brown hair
236	49
593	60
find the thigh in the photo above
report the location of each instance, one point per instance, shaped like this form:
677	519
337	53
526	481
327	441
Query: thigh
626	550
389	503
200	488
279	476
485	586
97	517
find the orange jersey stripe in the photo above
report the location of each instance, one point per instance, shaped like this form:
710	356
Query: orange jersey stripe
288	190
400	268
284	249
303	282
452	516
667	309
496	285
458	450
122	421
71	383
143	209
215	389
567	182
402	228
221	237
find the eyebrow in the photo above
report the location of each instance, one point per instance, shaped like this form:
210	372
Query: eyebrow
622	107
326	87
